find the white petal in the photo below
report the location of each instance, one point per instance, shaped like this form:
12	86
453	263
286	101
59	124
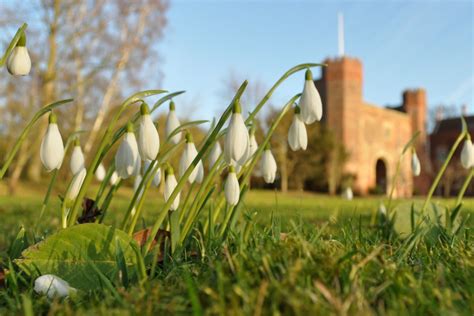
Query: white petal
297	136
415	165
189	153
269	167
170	185
126	157
200	172
467	154
157	175
100	172
77	160
172	123
148	138
236	140
136	184
214	154
76	184
232	189
347	194
114	178
310	103
19	62
253	146
52	148
52	286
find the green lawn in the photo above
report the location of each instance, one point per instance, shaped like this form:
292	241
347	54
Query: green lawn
295	253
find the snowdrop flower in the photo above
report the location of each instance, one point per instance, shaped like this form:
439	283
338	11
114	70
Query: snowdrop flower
253	146
310	101
231	187
187	158
170	185
76	184
215	153
100	172
19	62
52	286
148	138
382	210
157	175
415	164
52	147
348	194
297	136
200	173
467	154
237	138
114	178
127	154
77	158
172	123
269	166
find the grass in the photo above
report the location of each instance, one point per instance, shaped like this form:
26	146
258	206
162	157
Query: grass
290	254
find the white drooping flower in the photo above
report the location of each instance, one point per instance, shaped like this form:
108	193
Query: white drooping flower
172	123
310	101
269	166
189	153
347	194
170	185
19	62
52	147
297	136
114	178
127	155
216	151
382	210
415	164
52	286
200	173
148	138
100	172
77	158
467	154
236	139
138	166
231	187
157	175
76	184
253	145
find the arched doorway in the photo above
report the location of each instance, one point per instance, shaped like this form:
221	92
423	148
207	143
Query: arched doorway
381	177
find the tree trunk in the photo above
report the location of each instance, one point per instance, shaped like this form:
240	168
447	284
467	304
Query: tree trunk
48	92
18	168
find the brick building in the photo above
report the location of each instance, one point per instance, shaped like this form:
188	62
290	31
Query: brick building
373	136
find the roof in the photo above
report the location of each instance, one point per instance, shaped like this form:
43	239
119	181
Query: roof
453	124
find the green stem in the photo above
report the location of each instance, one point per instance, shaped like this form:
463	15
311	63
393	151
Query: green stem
465	186
25	132
106	139
13	43
435	183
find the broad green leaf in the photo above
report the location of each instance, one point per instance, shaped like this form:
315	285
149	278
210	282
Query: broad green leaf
76	254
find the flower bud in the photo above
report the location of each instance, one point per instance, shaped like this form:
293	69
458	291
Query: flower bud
215	153
189	153
114	178
157	175
232	188
297	136
52	147
253	145
467	154
76	184
310	101
127	155
269	166
415	164
77	158
236	139
19	62
52	286
170	185
148	138
100	172
172	123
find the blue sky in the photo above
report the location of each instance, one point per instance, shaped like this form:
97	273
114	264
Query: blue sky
402	44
